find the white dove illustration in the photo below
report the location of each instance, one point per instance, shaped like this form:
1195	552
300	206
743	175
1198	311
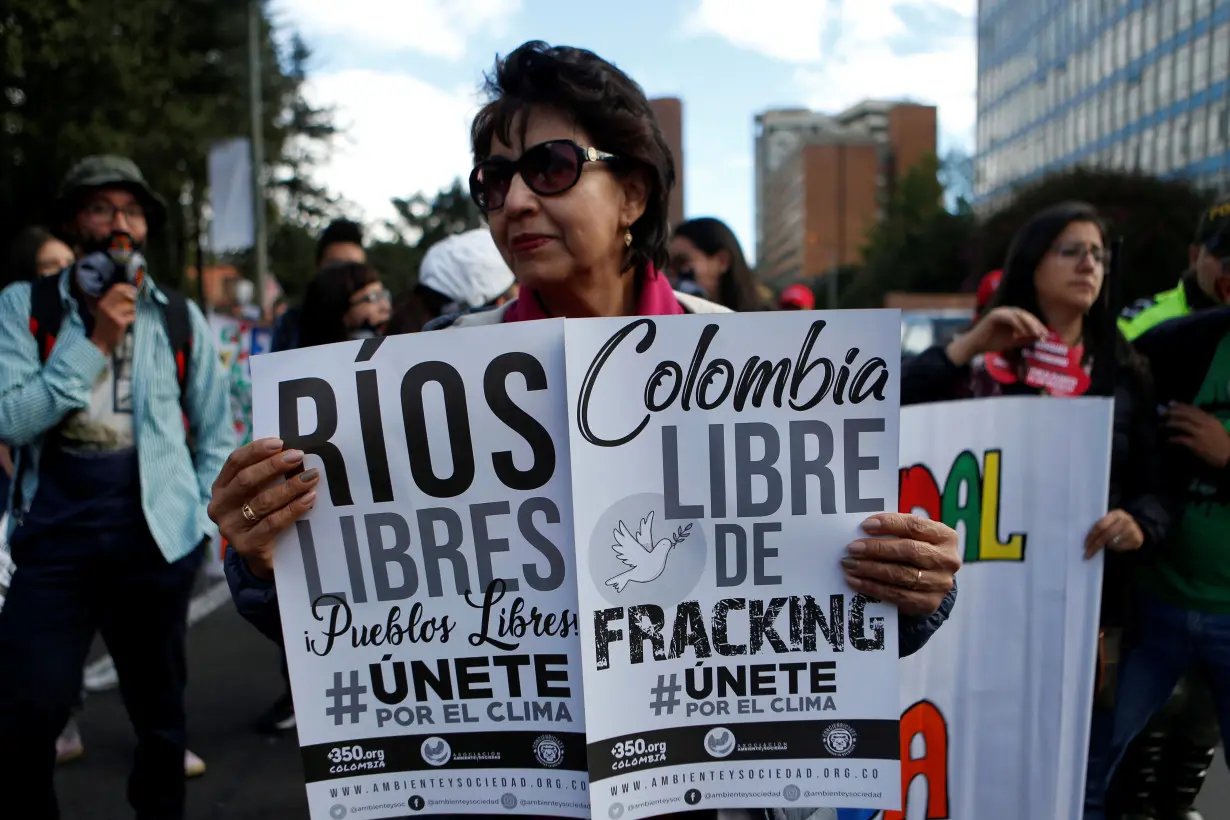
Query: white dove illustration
646	559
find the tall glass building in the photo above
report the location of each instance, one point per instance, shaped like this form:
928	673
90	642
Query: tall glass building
1124	84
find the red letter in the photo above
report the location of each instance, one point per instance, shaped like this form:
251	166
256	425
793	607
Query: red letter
918	490
924	718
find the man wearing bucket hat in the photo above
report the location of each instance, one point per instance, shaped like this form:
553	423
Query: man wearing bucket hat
115	401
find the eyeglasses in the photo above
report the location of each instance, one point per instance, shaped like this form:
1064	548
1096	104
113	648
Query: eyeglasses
548	168
102	211
375	297
1075	252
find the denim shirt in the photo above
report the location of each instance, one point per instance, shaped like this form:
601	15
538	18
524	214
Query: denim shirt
35	397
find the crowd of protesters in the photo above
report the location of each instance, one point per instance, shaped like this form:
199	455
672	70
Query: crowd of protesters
115	427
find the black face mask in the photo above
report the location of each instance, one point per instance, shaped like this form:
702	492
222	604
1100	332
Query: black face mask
109	262
364	331
688	283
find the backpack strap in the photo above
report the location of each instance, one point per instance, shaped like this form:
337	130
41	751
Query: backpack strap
46	313
178	325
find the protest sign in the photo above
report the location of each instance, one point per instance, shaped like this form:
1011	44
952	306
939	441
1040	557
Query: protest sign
428	601
997	706
721	465
237	341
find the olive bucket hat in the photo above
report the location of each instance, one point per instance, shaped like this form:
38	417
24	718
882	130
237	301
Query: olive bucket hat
106	171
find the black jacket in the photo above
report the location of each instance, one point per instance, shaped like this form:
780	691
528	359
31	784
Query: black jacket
1136	483
1181	352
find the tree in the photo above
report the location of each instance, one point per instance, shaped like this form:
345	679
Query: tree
1156	217
159	83
421	223
918	245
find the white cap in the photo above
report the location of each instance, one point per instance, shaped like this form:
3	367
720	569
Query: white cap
466	267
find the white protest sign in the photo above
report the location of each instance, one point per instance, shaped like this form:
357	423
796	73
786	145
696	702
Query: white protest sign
721	464
428	602
997	706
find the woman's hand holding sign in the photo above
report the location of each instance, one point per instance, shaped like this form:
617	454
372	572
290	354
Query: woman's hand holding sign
910	562
250	506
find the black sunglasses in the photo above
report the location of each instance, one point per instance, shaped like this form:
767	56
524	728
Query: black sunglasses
548	168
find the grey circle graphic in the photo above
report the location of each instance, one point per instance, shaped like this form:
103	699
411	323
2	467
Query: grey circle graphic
508	800
719	742
792	793
616	811
338	811
687	553
436	751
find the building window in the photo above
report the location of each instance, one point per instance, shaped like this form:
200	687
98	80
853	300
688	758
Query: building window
1200	64
1146	150
1217	116
1165	81
1179	144
1166	11
1161	159
1135	26
1132	160
1186	10
1151	21
1108	53
1148	89
1182	72
1199	131
1121	44
1133	102
1221	52
1203	8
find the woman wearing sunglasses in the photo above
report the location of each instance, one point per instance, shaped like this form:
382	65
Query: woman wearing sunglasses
574	176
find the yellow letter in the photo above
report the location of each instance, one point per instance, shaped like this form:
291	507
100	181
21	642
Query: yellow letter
990	547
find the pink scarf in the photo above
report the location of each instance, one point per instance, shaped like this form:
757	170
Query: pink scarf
657	299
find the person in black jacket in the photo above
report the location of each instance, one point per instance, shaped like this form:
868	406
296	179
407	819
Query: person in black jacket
1053	285
1182	613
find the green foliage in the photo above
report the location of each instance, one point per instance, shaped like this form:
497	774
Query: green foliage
918	245
1156	217
159	83
421	223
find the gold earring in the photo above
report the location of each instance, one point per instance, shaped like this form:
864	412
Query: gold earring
627	239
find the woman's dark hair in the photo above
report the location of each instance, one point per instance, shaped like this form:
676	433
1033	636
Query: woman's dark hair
327	301
599	99
737	287
1017	288
23	256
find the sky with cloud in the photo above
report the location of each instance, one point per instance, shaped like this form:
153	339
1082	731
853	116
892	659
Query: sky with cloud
403	77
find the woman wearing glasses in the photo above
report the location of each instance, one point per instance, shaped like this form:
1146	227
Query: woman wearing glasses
574	177
344	301
1053	288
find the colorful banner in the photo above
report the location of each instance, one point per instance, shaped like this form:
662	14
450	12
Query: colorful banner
721	465
997	706
237	341
428	601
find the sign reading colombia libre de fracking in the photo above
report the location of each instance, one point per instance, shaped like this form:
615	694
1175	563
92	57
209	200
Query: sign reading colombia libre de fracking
428	602
721	465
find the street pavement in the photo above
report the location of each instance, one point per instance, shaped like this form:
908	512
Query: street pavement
234	678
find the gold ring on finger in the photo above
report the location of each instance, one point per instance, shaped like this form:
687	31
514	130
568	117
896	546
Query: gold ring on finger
248	514
918	580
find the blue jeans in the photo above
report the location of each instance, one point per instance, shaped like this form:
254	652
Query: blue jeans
1165	642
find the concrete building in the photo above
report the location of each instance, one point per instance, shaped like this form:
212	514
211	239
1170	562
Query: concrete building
1122	84
669	111
821	181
